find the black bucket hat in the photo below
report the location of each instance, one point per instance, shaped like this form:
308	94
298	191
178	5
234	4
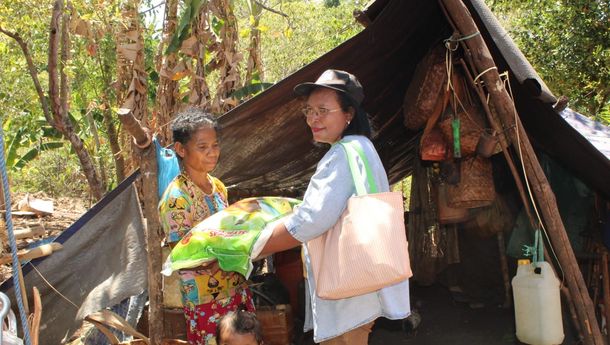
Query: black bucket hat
336	80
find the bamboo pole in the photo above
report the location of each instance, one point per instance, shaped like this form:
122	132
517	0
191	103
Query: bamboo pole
505	109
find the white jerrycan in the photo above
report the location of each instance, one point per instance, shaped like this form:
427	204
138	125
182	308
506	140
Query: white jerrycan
537	304
8	331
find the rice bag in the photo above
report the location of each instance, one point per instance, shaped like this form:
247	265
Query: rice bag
229	235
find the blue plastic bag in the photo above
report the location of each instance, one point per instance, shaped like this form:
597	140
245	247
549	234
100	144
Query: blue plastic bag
167	166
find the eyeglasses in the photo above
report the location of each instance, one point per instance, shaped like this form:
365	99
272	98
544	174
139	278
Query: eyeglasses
310	112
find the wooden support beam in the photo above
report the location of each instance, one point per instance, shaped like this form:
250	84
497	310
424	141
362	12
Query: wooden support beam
545	199
150	199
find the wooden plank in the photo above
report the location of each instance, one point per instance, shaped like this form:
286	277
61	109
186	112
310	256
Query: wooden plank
545	198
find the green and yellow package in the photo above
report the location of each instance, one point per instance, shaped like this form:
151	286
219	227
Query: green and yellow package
229	235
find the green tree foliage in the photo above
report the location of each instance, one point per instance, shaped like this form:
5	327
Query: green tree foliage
568	43
297	32
293	33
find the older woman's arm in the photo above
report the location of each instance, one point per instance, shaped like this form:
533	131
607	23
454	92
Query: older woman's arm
325	199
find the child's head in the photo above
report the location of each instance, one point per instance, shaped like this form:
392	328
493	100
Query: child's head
239	328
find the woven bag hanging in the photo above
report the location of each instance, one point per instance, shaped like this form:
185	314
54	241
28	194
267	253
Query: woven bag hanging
422	95
470	114
476	186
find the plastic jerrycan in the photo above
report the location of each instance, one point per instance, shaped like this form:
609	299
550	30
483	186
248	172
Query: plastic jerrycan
537	304
8	332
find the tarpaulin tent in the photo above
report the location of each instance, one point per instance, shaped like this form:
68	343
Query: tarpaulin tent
102	263
266	145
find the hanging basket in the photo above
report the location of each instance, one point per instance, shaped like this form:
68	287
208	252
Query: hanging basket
447	214
476	186
424	91
471	128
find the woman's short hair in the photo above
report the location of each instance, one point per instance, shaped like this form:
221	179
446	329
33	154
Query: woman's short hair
360	124
241	322
189	121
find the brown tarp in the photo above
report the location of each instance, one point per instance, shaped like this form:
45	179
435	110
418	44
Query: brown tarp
266	144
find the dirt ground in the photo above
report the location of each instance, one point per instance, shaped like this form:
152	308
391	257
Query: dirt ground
66	211
443	320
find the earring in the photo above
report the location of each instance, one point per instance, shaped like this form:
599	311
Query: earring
348	122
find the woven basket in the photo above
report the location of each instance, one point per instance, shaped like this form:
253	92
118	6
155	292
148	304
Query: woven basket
471	128
424	91
447	214
476	187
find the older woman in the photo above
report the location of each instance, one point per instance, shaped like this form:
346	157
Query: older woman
333	112
207	292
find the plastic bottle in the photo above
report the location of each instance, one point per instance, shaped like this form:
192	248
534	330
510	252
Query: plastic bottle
537	304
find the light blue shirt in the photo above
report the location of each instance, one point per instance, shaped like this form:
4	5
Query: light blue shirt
325	200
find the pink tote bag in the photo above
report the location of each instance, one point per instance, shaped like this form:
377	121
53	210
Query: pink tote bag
367	248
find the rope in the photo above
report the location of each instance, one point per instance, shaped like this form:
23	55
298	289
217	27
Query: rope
13	242
52	287
456	39
465	37
529	189
485	71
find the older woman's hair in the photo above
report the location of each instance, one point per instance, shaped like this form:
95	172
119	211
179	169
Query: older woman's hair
360	124
240	322
189	121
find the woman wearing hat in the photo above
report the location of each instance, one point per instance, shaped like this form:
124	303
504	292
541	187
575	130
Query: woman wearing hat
333	112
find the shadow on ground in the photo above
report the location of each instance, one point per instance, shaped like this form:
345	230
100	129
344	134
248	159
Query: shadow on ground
444	321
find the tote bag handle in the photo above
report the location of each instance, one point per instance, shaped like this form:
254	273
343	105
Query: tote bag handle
353	150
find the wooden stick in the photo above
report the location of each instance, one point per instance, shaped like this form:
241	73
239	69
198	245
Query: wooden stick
505	108
28	233
572	311
504	266
29	254
24	293
35	320
606	281
141	135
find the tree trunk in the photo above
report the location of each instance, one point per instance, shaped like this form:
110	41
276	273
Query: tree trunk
255	62
199	89
228	57
113	140
96	138
58	92
167	90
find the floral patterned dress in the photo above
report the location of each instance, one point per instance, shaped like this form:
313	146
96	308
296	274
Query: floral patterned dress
207	293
